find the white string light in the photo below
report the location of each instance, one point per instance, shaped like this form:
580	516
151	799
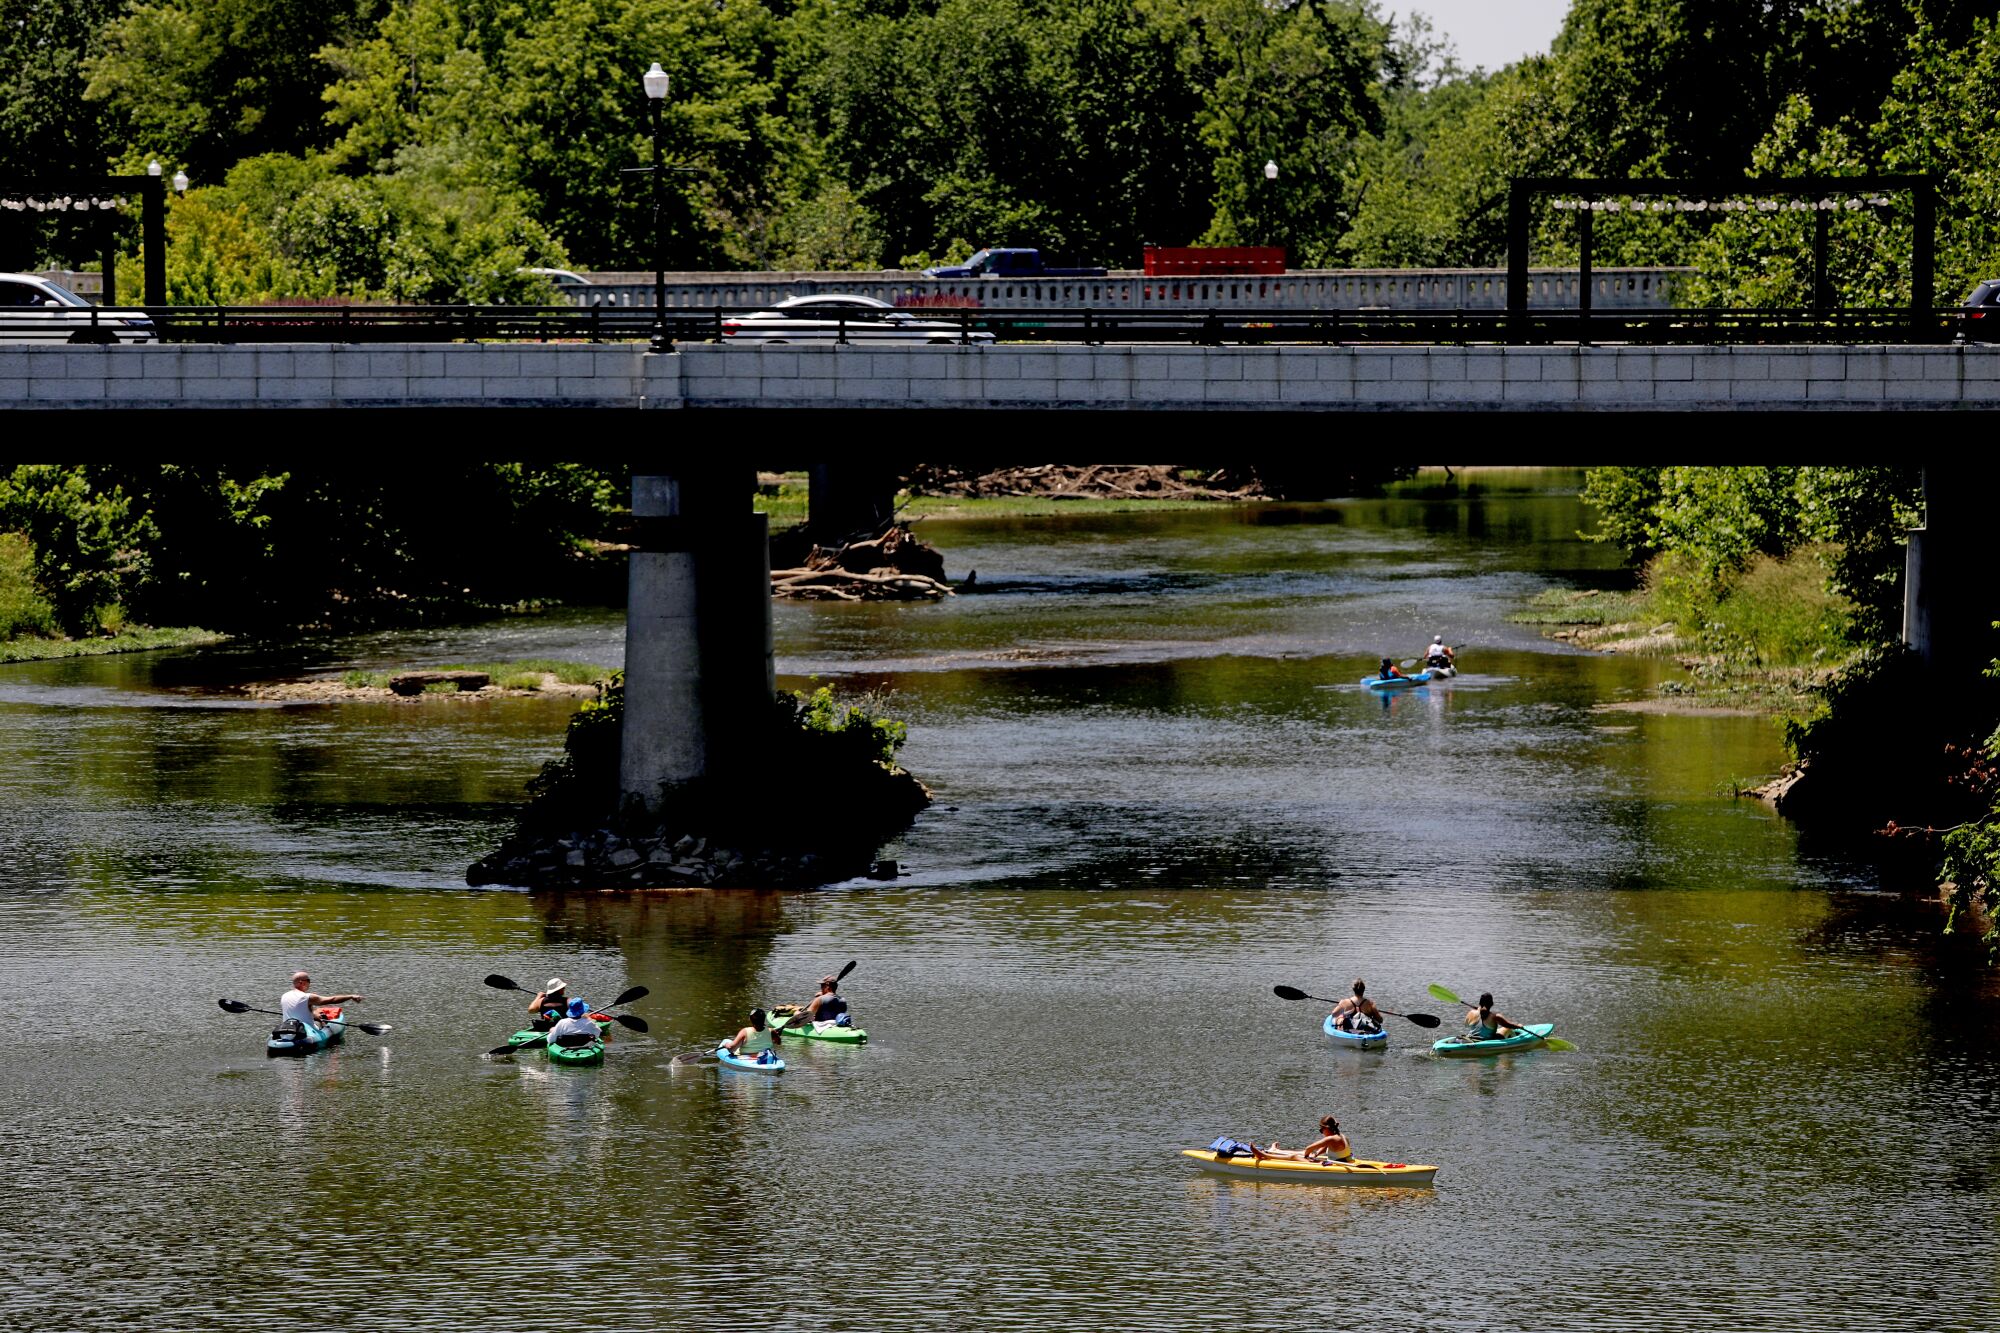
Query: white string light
1625	204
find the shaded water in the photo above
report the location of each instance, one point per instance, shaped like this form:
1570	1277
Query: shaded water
1159	794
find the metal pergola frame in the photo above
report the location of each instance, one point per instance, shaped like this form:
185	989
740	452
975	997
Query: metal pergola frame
152	192
1524	190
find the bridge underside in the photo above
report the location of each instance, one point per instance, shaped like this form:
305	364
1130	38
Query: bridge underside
1062	381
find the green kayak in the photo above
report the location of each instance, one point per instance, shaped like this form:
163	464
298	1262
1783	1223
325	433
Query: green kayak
1523	1039
834	1032
563	1055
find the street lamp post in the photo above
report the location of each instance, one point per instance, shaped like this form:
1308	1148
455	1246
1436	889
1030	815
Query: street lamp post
658	82
1270	196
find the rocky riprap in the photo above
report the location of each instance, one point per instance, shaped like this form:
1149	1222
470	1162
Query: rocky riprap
603	859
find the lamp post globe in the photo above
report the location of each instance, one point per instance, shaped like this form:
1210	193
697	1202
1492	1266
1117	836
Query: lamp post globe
180	182
658	82
1270	171
153	167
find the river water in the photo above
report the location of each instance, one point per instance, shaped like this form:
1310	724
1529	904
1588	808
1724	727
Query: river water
1160	794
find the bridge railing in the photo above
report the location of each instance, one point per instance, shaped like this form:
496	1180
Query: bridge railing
1193	326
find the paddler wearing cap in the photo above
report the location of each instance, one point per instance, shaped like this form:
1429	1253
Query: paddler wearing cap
551	1002
827	1006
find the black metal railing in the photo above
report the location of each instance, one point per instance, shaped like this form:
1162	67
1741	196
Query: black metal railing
1216	327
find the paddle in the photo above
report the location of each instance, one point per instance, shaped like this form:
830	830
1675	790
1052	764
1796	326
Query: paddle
1294	993
238	1007
540	1040
1553	1043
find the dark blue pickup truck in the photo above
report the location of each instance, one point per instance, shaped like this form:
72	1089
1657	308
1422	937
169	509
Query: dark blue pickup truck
1009	264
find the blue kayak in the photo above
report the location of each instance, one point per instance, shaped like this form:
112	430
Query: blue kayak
309	1037
1396	682
1367	1041
764	1062
1523	1039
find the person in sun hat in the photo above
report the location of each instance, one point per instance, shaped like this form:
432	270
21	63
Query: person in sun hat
551	1002
1438	654
575	1027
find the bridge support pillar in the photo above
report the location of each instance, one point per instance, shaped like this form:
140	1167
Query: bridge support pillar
1944	618
698	651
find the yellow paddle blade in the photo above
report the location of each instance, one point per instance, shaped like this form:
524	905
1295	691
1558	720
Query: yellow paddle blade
1558	1044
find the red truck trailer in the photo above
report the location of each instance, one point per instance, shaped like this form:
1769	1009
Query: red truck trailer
1185	261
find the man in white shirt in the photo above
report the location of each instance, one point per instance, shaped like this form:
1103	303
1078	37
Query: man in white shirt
299	1002
575	1029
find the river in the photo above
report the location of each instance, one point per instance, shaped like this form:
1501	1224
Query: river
1160	792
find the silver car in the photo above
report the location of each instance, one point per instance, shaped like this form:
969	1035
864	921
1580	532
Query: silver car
828	318
36	310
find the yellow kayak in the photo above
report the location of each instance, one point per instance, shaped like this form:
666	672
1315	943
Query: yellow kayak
1356	1172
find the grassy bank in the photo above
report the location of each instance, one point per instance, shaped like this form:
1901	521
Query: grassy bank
1768	638
34	648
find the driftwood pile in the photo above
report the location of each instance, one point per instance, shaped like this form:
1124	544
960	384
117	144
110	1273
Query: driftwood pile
891	566
1059	481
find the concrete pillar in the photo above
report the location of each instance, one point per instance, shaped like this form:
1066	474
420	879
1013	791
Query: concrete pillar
698	652
1946	615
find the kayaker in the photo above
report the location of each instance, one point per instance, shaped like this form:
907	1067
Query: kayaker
1438	654
1485	1023
301	1006
551	1002
1387	671
827	1006
1357	1013
758	1023
1330	1146
575	1027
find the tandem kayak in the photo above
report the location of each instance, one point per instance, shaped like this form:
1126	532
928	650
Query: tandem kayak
834	1032
1357	1172
764	1062
309	1037
592	1054
1396	682
1367	1041
1524	1039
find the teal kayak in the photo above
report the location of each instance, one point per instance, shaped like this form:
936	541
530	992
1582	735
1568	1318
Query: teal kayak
1396	682
764	1062
307	1037
1367	1041
835	1032
1523	1039
591	1054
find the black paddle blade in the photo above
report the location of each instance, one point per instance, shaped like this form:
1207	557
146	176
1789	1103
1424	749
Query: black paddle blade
636	993
1289	993
498	982
372	1029
512	1047
234	1006
1424	1020
840	975
633	1021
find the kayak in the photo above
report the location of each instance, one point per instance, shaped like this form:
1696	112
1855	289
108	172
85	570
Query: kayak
593	1054
1291	1171
314	1037
1396	682
835	1032
1441	673
1367	1041
1524	1039
764	1062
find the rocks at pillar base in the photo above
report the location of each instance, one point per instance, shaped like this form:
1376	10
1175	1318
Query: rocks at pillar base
603	859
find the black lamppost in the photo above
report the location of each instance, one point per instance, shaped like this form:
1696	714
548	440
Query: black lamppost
1270	197
657	82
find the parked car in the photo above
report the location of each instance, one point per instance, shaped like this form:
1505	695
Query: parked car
992	263
35	310
1982	313
823	319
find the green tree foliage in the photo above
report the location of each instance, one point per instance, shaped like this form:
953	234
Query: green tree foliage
1704	526
243	549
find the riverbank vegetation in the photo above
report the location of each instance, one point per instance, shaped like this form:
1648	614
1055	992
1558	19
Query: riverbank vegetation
429	150
30	631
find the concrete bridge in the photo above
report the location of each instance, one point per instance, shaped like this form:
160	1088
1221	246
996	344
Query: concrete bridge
1176	380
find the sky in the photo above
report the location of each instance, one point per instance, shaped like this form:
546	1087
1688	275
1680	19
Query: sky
1491	32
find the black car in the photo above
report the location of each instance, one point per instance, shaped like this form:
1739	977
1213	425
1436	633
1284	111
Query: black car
1982	312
